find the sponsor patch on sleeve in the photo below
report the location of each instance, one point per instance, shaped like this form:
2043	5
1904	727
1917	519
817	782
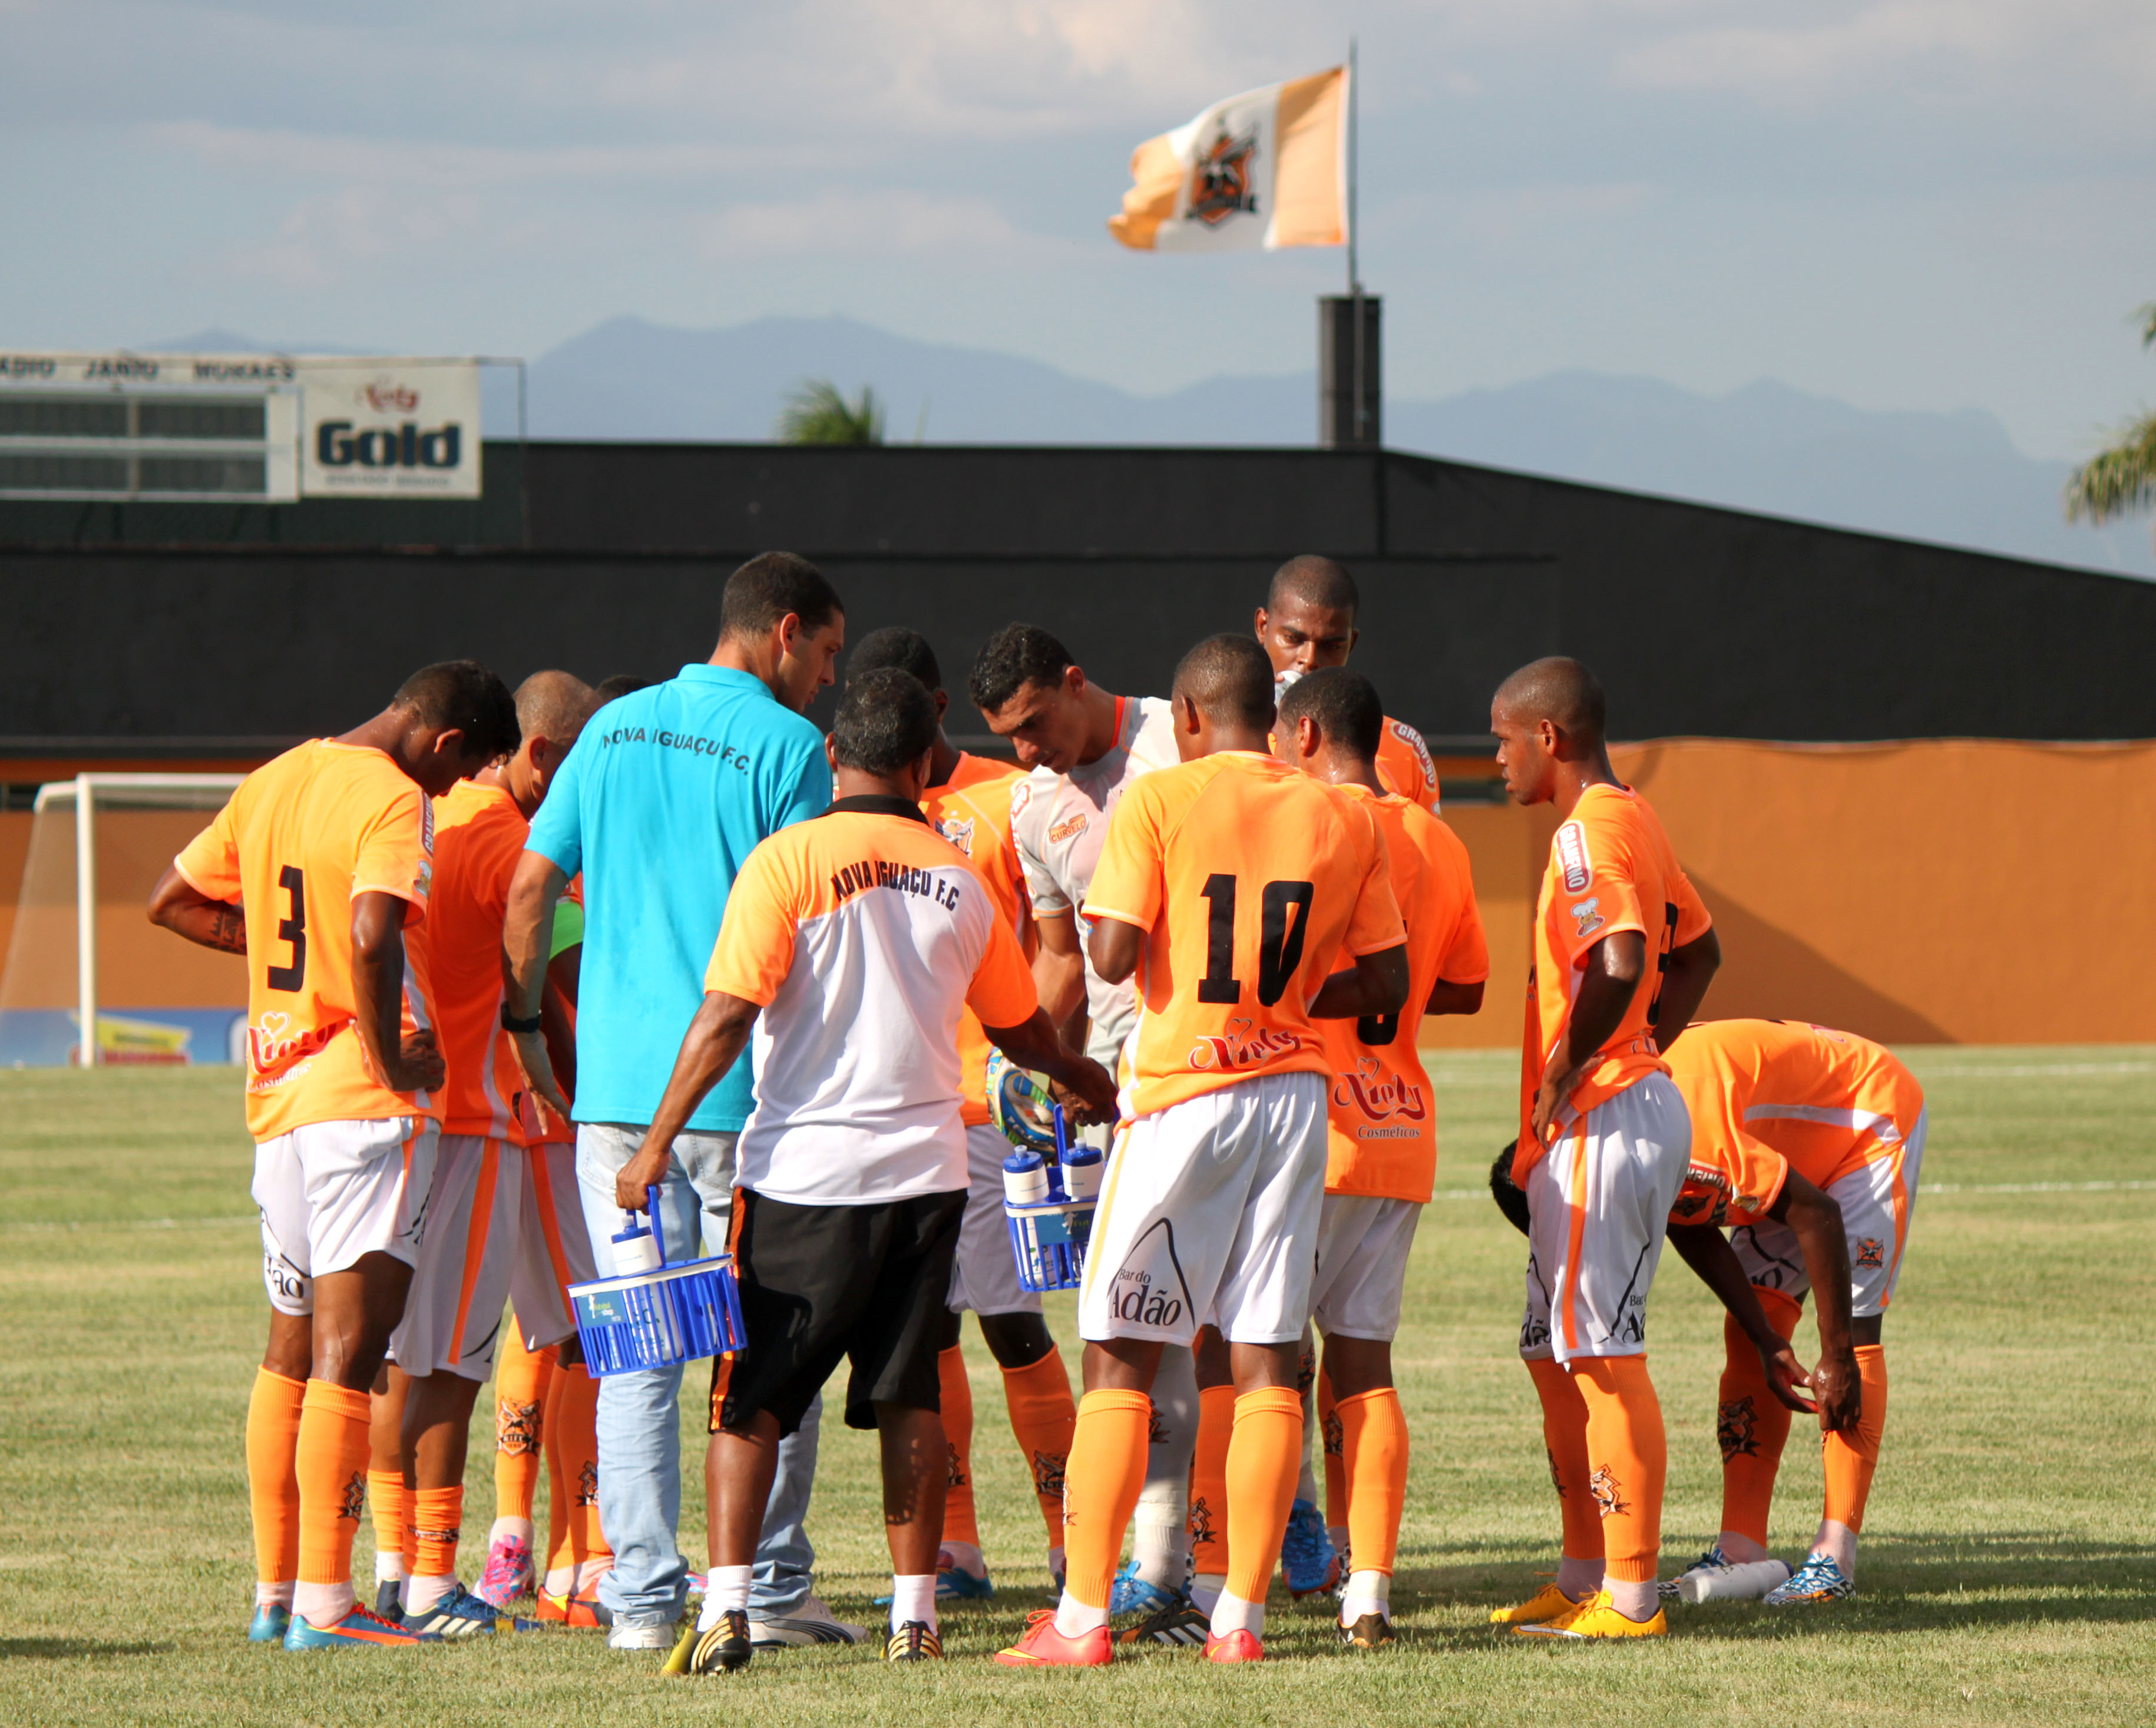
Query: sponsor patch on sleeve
1586	914
1571	857
1409	737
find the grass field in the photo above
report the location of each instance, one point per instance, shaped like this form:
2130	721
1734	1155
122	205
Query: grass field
2009	1572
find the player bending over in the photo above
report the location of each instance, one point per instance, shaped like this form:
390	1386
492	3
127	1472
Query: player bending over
1232	886
852	944
315	869
1623	952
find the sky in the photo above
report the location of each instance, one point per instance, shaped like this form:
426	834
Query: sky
1928	204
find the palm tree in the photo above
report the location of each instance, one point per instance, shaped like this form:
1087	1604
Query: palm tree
816	413
2121	479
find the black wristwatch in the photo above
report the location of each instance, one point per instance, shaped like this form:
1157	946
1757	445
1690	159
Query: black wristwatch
509	1022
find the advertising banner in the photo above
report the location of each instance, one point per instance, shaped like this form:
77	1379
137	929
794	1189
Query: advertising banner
402	427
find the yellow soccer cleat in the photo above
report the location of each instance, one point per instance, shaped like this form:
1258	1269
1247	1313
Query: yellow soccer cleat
1548	1603
1598	1617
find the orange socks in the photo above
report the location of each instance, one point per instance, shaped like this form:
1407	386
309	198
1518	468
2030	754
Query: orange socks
522	1381
273	1486
1264	1456
331	1468
1042	1415
1373	1437
1850	1459
579	1550
1751	1424
959	1523
1628	1457
1106	1473
1564	1438
1336	1460
1209	1482
389	1503
438	1516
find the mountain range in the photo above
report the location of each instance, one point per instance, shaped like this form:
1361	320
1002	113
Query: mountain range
1955	478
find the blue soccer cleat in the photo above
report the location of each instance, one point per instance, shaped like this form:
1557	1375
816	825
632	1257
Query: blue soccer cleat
1307	1556
359	1630
271	1621
460	1614
1818	1579
954	1583
1130	1594
1713	1561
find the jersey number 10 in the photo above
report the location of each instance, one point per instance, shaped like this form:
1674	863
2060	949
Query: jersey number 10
1279	942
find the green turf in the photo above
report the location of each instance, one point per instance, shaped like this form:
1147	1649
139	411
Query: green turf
2007	1574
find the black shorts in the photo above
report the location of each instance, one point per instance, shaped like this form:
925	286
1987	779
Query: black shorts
869	1284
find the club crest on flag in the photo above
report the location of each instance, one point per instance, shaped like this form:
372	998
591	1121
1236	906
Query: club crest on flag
1220	185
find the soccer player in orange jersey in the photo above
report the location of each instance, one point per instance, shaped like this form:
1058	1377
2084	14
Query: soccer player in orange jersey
1807	1143
1623	952
968	801
475	1251
1308	621
1381	1158
316	869
1251	901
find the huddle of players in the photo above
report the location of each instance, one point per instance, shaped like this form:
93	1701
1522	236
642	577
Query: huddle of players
1261	878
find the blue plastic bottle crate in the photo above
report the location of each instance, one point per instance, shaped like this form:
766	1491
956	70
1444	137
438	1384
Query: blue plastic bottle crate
1048	1241
654	1319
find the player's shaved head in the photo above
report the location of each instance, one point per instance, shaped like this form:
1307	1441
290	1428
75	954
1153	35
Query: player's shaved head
1560	690
1229	680
769	588
463	695
1316	581
1345	707
885	720
554	704
895	647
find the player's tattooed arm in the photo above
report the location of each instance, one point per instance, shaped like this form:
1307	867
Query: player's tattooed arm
176	904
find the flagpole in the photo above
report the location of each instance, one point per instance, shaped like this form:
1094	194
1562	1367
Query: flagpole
1354	274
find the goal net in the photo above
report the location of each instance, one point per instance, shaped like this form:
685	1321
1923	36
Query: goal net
101	842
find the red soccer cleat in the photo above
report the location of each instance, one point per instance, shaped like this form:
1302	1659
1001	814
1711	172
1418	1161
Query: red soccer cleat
1235	1647
1044	1646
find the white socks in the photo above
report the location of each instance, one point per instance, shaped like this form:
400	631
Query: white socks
1231	1613
1635	1601
274	1596
389	1568
1366	1593
1075	1619
964	1555
727	1588
913	1597
1160	1545
520	1528
1205	1588
322	1604
1579	1579
421	1593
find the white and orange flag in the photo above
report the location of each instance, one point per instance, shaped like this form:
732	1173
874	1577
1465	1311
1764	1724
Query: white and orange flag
1266	169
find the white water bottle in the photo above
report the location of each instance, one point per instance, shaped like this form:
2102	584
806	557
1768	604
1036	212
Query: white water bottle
1746	1582
1025	1178
635	1248
1081	1171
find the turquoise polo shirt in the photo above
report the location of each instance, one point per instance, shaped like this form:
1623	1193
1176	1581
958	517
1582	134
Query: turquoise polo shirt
664	796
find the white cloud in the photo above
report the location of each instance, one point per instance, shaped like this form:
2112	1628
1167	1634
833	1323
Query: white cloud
853	223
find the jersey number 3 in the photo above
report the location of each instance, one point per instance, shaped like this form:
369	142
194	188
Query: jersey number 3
1280	941
293	929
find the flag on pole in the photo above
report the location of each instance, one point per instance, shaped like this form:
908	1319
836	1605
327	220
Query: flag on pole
1266	169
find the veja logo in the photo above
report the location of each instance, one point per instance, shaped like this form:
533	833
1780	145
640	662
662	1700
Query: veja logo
387	398
1379	1096
1240	1046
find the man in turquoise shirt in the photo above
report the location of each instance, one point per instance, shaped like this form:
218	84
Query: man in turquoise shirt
665	794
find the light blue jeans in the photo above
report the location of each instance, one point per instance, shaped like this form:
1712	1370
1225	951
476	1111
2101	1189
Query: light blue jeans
639	1425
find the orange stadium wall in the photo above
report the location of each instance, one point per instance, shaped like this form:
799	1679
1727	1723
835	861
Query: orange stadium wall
1930	892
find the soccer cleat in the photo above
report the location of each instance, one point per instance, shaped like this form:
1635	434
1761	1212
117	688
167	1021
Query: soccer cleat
1130	1594
1236	1647
1546	1604
461	1614
1370	1631
810	1623
271	1621
1307	1557
723	1648
359	1630
1598	1617
1042	1646
578	1612
1713	1561
1180	1621
389	1601
917	1640
1818	1579
509	1573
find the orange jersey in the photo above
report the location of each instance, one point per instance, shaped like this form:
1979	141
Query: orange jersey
302	837
479	837
1253	883
973	811
1610	869
1404	764
1382	1132
1770	1096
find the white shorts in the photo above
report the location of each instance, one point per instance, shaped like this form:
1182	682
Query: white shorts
332	1192
553	1248
1598	1204
453	1317
1363	1244
1208	1212
1876	1202
984	1274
